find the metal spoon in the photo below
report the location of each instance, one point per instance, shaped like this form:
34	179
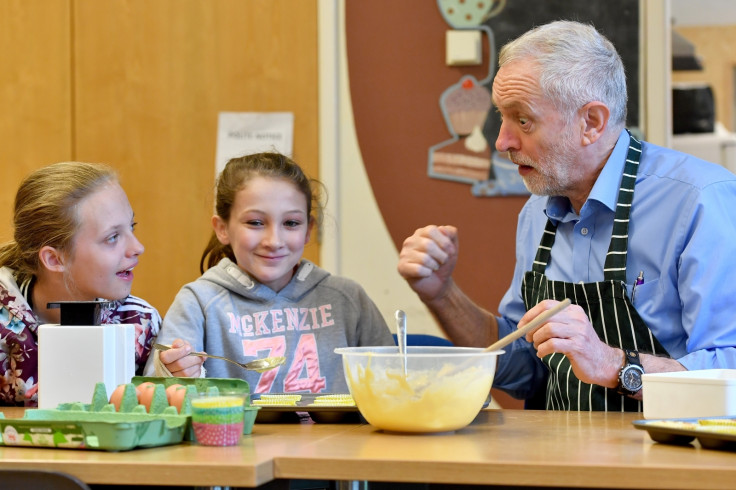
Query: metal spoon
259	365
401	336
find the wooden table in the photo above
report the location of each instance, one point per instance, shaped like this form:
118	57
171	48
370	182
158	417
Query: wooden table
520	448
188	464
501	447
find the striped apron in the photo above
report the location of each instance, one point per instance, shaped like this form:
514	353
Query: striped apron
606	303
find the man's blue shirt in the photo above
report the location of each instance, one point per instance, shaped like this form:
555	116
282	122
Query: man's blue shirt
682	236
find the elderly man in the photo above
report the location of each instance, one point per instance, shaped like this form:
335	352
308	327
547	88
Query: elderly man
641	238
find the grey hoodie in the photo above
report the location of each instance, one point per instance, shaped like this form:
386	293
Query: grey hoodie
227	313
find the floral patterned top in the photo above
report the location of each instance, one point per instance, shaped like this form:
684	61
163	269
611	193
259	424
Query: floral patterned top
19	341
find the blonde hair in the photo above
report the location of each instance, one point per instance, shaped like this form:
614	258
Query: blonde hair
236	175
45	212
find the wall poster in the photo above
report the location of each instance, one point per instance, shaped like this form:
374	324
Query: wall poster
243	133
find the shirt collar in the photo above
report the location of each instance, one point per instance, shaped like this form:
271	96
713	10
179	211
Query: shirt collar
605	190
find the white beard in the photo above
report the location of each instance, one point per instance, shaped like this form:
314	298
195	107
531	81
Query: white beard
554	175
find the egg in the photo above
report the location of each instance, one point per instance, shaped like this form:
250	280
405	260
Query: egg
145	394
175	395
117	397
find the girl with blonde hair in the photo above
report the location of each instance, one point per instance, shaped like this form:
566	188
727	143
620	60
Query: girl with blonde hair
73	241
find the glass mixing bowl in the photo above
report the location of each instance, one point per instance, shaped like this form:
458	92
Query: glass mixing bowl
443	390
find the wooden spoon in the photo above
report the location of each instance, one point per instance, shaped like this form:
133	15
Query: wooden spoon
519	332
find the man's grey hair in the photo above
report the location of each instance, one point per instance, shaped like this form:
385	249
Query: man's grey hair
577	65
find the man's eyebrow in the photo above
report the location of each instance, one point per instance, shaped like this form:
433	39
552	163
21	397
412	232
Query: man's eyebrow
513	104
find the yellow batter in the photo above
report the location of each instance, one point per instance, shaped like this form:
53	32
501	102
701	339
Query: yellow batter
429	401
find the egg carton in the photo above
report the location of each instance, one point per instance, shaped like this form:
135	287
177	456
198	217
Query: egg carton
159	403
98	425
210	386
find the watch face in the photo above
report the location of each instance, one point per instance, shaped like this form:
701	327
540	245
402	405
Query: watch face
631	378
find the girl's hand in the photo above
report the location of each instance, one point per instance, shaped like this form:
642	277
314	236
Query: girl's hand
178	361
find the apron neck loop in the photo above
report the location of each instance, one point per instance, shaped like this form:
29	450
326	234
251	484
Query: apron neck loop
615	266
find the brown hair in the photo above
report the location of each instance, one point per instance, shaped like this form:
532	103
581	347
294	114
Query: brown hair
45	212
236	175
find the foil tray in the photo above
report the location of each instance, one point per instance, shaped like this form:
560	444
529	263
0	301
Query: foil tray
710	432
322	408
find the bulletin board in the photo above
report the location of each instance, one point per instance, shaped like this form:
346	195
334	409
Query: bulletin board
618	21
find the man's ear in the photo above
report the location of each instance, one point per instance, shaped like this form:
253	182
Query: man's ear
51	258
220	227
595	121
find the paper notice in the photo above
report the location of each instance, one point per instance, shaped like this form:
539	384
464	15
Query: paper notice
243	133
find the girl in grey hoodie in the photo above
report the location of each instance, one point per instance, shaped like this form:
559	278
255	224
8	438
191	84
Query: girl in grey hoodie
258	297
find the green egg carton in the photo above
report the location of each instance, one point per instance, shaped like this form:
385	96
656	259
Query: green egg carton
206	385
96	425
109	431
159	402
199	385
129	402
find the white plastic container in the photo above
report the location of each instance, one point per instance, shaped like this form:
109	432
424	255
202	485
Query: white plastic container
690	394
73	358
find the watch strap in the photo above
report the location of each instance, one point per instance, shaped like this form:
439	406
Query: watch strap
632	357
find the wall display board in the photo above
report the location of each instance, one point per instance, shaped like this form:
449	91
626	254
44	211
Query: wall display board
468	155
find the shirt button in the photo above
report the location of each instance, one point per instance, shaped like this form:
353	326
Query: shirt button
583	231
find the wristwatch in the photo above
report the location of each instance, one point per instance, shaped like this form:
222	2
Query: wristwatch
629	378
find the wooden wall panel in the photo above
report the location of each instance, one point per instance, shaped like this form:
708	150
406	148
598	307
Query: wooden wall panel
715	44
35	93
151	77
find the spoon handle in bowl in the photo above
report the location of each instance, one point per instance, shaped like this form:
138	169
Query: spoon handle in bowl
401	337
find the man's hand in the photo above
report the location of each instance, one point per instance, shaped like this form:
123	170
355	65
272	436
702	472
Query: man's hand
427	260
570	332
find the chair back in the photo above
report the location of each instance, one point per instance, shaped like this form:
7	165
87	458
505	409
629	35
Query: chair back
40	480
424	339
